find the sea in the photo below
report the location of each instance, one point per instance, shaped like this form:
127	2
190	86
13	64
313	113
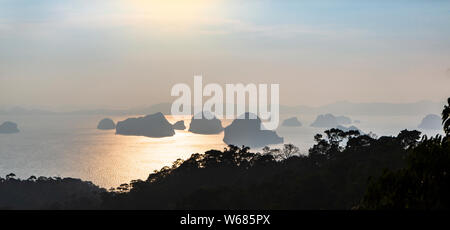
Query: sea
72	146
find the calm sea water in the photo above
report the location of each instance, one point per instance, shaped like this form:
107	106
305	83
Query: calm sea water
71	146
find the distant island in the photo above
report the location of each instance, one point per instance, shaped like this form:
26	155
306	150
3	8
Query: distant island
106	124
9	127
245	131
330	121
431	122
205	126
154	125
179	125
292	122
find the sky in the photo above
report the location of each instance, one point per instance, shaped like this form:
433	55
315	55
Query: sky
129	53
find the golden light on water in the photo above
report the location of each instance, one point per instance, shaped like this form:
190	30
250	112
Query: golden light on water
120	159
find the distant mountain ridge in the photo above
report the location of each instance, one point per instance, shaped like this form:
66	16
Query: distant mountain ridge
164	108
343	107
369	109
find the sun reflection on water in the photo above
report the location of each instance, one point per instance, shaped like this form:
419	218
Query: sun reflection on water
118	159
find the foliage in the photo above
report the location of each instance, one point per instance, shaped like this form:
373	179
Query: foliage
333	175
446	117
423	184
48	193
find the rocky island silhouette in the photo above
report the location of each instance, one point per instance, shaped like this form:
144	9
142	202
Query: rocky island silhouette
431	122
292	122
246	131
154	125
9	127
106	124
330	121
205	125
179	125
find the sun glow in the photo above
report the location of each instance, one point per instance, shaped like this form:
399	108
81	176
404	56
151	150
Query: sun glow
173	14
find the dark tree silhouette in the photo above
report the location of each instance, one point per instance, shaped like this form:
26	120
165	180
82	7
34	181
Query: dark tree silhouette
424	183
48	193
446	117
332	176
342	170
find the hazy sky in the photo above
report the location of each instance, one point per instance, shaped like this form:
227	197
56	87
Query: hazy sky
127	53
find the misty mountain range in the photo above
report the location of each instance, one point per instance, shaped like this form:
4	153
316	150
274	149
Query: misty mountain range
367	109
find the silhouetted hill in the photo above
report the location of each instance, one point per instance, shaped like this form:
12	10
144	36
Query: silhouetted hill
48	193
155	125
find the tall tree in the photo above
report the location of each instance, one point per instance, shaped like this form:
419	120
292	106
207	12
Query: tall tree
446	117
